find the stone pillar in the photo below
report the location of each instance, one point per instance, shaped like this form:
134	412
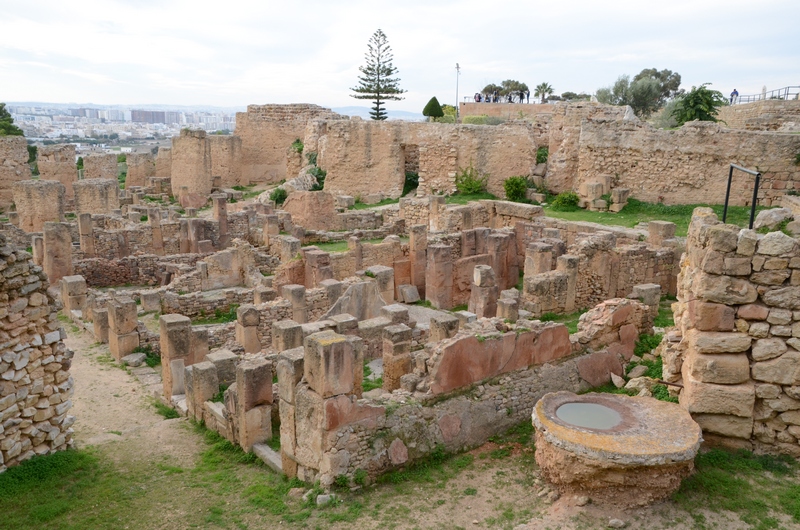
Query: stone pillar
569	264
508	309
649	294
38	202
154	218
396	355
290	248
318	267
437	206
100	325
57	261
86	232
195	233
262	295
123	337
220	203
296	295
247	319
660	231
290	372
254	402
384	276
330	364
286	334
73	293
439	276
271	228
176	340
417	248
184	236
333	290
443	327
37	248
354	246
484	292
201	385
538	258
497	248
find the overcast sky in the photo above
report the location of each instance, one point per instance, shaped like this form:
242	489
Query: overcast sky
232	52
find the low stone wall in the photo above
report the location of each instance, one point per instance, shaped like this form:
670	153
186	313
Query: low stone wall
765	115
35	385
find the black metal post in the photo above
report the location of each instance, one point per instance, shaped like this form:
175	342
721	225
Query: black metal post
755	198
727	195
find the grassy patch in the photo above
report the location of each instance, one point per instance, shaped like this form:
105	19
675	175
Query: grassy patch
341	246
647	343
152	359
363	206
464	198
570	320
438	466
220	316
168	412
425	303
756	487
370	383
637	211
665	318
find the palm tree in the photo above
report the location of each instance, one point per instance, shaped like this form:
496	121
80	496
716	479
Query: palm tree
542	91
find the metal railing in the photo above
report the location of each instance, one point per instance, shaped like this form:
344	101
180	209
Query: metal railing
757	174
785	93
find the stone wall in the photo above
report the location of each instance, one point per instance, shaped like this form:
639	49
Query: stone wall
57	162
164	162
226	156
141	166
766	115
37	202
267	132
13	166
509	111
35	385
688	165
736	349
191	163
100	166
96	195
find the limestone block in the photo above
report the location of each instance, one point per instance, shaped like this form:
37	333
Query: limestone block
596	368
384	276
396	313
765	349
772	218
722	368
122	344
786	297
247	315
73	286
151	300
329	365
122	315
483	276
443	327
225	362
255	426
508	309
247	337
204	384
409	294
725	290
264	294
175	341
254	383
725	424
758	330
776	244
718	342
710	316
736	266
747	241
290	371
699	397
100	325
286	334
784	370
722	238
345	324
753	312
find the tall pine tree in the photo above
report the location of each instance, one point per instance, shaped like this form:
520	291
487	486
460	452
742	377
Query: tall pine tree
377	82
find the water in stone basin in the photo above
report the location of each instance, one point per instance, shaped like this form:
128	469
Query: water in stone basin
589	415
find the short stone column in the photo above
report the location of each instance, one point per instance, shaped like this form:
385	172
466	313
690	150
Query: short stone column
247	320
123	337
296	295
497	247
220	205
484	292
508	309
151	301
318	268
330	364
439	276
384	276
290	372
57	261
37	249
176	339
538	259
253	419
290	248
73	293
443	327
355	249
396	355
271	228
100	324
569	264
201	385
86	233
417	250
286	334
262	295
660	231
154	218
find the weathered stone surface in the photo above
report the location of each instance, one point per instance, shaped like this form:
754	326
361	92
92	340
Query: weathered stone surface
699	397
786	297
711	317
772	218
718	342
765	349
724	289
597	368
725	424
785	370
753	312
775	244
723	368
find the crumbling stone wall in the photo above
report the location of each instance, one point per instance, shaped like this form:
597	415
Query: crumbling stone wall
226	156
164	162
688	165
13	165
267	131
35	385
100	166
96	195
141	166
191	163
57	162
37	202
737	318
765	115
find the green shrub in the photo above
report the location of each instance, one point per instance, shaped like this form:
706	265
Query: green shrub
797	159
122	158
312	158
469	181
319	174
297	146
482	119
445	119
433	109
411	183
566	201
143	218
541	155
515	188
278	195
79	163
360	477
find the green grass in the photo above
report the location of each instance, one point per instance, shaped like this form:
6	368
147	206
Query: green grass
152	359
363	206
637	211
164	410
756	487
370	383
665	318
220	316
570	320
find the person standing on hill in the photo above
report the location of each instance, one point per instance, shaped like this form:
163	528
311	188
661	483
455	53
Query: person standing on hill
734	95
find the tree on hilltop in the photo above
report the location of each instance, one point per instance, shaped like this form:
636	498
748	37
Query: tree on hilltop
643	95
7	127
669	83
542	91
433	109
377	82
700	103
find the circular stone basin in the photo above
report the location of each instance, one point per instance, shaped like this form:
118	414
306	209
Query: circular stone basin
617	449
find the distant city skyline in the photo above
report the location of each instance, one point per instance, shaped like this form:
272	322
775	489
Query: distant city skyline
130	53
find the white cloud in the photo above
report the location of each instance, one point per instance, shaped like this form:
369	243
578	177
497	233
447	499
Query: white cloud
239	52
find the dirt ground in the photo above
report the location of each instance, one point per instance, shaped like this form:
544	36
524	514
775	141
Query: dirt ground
498	486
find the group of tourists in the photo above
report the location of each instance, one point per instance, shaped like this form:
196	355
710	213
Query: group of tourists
521	96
